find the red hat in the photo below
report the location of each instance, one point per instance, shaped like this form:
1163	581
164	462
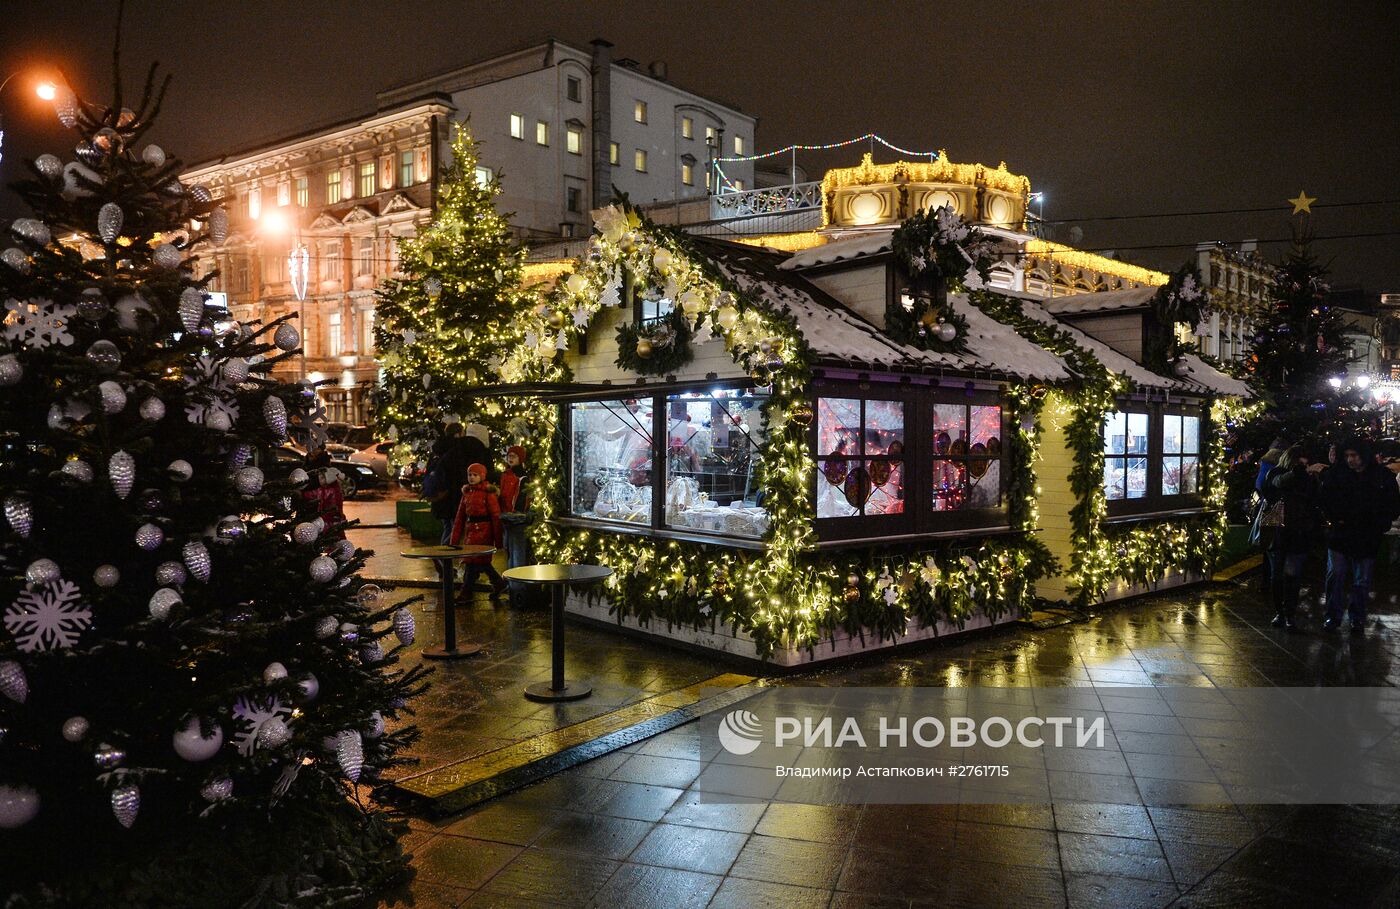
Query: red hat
518	452
478	469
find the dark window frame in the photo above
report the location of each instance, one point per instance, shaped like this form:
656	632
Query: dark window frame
1154	501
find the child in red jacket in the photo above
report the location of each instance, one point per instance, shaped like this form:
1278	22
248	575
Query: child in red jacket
513	496
478	523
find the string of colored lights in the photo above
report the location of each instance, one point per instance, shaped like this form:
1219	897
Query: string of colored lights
868	137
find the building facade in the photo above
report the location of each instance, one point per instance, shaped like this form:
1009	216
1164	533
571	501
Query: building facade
563	127
1238	281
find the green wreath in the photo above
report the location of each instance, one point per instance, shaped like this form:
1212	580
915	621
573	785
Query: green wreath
667	346
1181	301
933	247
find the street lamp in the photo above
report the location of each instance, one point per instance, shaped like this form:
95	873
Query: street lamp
298	265
46	90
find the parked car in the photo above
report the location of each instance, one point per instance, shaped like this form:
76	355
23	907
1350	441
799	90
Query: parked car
353	477
375	456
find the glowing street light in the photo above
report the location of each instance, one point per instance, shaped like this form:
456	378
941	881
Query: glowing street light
46	90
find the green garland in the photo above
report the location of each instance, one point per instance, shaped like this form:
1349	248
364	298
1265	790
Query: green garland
934	246
1178	302
669	337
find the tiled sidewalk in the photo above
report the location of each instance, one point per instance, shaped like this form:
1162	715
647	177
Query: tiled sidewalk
628	829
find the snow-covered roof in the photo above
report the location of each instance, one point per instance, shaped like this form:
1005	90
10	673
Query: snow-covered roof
1197	370
1105	301
839	336
865	243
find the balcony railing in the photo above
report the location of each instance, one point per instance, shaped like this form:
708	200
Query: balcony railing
767	201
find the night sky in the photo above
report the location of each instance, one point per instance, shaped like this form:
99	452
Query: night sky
1110	109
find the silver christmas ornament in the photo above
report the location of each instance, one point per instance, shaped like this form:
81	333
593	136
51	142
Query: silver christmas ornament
92	305
218	420
113	396
107	140
322	569
18	806
13	683
153	155
16	259
49	165
65	106
126	802
217	790
200	193
109	222
167	256
11	371
32	230
275	413
171	574
372	653
248	481
162	601
75	728
42	571
149	537
320	524
273	673
308	686
121	472
81	471
405	629
19	514
180	470
369	595
286	337
297	476
344	551
274	733
239	455
376	725
106	576
152	409
218	226
305	533
433	288
108	757
173	188
194	747
104	355
235	370
327	626
196	558
349	633
231	527
191	308
90	153
350	754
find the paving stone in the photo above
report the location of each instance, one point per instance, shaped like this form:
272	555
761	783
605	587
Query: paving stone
649	887
462	862
741	893
690	848
1116	856
784	861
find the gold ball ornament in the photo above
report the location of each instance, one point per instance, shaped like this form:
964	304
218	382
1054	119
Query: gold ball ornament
576	284
644	348
728	317
546	351
556	319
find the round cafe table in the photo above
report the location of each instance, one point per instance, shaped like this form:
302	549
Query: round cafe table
442	557
557	578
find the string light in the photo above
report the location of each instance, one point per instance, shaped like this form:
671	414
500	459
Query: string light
868	137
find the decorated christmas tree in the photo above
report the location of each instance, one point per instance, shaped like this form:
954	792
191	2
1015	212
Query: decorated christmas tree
446	329
194	683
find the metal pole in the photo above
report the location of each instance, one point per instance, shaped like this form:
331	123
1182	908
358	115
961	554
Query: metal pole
557	633
449	615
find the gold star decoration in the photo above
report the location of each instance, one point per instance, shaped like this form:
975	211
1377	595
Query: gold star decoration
1303	203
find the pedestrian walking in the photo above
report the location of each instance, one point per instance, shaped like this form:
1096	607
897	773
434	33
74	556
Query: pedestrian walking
445	476
478	523
1294	522
1360	500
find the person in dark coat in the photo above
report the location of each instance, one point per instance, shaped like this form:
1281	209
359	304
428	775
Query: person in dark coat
1360	500
448	463
1287	549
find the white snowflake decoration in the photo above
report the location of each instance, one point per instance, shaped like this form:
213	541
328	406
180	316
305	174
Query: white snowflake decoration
52	616
38	323
218	397
252	713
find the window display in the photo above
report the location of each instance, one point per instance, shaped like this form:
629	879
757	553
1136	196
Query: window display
713	441
966	456
612	460
1181	453
1125	455
860	457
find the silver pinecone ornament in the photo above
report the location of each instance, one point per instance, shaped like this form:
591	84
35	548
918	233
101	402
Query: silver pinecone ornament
275	413
126	801
218	226
121	471
109	222
33	230
196	558
20	515
191	308
350	754
13	683
167	256
235	370
404	627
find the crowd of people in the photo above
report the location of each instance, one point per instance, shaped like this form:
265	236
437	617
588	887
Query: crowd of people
1347	502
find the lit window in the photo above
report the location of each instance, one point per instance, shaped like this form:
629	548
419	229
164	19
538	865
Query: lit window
367	187
406	168
687	128
254	202
333	187
639	112
517	126
713	443
966	456
688	174
367	331
738	145
364	256
613	154
483	175
1125	455
240	276
330	261
284	193
707	179
303	192
575	141
541	133
612	455
639	161
653	308
860	457
1181	454
710	135
333	345
738	185
573	88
